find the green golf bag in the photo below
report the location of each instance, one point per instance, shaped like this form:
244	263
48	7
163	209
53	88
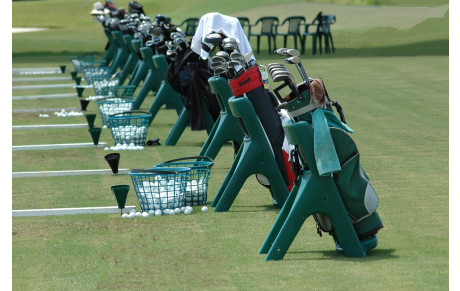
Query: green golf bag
334	156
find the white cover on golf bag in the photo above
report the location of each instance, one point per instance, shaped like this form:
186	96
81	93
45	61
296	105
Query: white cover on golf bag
226	25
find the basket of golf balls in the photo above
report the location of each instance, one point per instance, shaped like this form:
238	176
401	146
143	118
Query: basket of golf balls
129	127
96	74
111	105
160	188
112	89
196	191
86	61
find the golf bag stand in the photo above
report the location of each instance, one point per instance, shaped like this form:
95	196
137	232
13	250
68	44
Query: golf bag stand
343	203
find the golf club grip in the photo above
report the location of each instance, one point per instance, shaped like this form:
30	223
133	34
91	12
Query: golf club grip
189	158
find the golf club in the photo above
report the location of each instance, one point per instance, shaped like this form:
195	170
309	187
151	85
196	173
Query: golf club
298	63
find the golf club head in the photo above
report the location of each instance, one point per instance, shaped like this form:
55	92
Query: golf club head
216	65
275	65
229	40
281	51
218	59
230	47
277	71
213	38
236	55
284	75
280	77
222	55
293	60
220	71
293	52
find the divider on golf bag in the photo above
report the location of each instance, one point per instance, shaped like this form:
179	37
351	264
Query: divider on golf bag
250	84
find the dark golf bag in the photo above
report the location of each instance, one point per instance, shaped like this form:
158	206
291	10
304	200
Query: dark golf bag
188	75
250	84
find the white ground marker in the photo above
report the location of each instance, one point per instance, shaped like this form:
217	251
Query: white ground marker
71	211
42	174
58	146
49	126
50	96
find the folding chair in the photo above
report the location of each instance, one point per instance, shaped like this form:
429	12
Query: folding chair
293	28
267	28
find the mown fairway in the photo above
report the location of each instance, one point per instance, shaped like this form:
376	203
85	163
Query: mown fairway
390	74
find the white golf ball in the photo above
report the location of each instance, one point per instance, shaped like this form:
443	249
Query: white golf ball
172	212
106	148
204	209
131	215
138	214
145	214
188	211
182	209
177	210
158	212
151	212
125	215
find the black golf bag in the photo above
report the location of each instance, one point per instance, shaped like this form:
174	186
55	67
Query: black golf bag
188	75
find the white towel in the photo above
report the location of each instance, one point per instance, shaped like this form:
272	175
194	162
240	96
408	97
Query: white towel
223	24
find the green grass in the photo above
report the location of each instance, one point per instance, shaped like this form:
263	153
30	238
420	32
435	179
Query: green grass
393	85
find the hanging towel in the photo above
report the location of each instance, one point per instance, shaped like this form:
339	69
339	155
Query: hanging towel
326	158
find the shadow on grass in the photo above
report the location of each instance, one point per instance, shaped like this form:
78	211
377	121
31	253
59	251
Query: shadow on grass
372	255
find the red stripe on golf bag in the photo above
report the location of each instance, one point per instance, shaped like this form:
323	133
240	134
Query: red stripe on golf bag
248	81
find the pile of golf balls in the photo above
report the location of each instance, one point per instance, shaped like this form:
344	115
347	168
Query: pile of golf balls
117	106
64	113
187	210
129	134
125	147
195	192
161	193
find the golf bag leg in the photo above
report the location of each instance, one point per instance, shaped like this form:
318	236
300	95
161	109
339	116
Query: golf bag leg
178	128
279	221
227	178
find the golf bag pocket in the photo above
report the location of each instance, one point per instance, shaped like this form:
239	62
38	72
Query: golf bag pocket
358	195
247	82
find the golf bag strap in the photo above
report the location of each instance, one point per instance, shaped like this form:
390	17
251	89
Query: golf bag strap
247	82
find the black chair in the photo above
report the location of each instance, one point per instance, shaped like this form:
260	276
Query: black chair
267	28
293	24
190	26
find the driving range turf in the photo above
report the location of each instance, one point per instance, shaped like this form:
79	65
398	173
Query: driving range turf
392	82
